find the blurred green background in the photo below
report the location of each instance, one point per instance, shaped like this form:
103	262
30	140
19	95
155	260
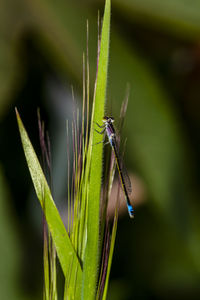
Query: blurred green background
155	47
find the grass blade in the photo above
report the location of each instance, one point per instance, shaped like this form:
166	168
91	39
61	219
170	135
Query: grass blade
65	251
112	244
45	262
91	260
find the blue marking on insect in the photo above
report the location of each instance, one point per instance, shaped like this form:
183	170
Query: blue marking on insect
130	210
111	140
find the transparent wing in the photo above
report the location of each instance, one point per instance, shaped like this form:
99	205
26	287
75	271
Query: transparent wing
126	178
123	169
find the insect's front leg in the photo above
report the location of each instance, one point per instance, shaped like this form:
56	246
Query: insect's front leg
100	132
100	126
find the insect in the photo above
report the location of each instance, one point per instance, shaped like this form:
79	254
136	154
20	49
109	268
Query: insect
110	131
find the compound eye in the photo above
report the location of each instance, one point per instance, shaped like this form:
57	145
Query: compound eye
105	119
112	119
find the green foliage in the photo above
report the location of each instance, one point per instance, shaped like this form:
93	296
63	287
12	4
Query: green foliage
66	247
65	250
162	122
92	254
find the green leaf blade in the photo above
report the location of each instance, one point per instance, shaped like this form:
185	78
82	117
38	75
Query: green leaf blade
91	260
65	251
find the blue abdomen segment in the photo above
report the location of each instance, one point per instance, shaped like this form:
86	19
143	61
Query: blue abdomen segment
130	210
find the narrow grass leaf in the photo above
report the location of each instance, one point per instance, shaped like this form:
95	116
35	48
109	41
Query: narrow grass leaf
91	260
112	244
46	262
65	251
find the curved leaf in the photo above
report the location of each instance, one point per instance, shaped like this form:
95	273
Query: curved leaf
65	251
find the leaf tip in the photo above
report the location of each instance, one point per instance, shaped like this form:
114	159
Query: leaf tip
17	113
18	116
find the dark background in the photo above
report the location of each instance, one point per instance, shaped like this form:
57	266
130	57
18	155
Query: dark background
155	47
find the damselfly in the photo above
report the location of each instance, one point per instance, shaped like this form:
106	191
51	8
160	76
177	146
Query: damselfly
110	131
